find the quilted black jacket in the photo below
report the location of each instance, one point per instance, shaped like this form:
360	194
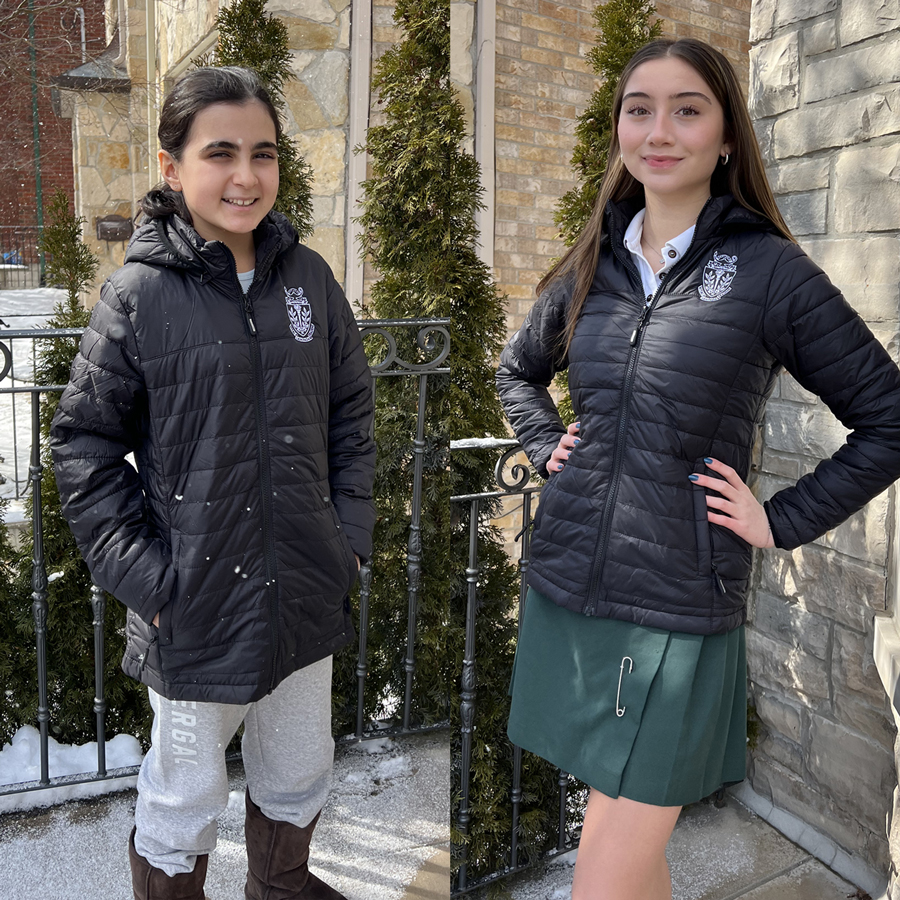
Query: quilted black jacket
249	420
621	532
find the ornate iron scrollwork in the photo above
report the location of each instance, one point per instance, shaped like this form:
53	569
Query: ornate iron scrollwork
432	338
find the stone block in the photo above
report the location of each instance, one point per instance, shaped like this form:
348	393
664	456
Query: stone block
825	582
853	666
791	624
810	430
867	189
876	722
866	269
325	151
820	38
462	27
780	715
329	242
870	66
792	390
824	813
303	108
852	121
303	35
789	11
864	535
340	5
344	22
795	177
328	79
301	60
762	20
765	137
314	10
861	20
774	76
853	769
780	464
785	753
779	666
805	213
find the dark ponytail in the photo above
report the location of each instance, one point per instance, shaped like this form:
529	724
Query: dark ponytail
191	94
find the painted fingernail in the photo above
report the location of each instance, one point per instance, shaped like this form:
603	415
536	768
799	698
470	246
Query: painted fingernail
577	440
559	468
578	424
694	477
568	454
707	459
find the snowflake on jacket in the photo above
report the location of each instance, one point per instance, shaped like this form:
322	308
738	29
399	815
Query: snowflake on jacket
254	455
621	532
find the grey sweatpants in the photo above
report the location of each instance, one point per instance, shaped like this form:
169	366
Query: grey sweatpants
288	754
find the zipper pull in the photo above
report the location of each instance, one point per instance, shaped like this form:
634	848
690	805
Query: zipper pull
719	579
249	312
640	322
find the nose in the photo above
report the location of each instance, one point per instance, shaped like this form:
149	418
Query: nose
660	132
244	173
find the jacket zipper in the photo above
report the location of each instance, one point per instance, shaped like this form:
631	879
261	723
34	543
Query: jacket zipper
265	471
599	563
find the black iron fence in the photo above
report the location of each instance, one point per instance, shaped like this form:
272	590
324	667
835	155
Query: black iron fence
21	262
519	498
17	353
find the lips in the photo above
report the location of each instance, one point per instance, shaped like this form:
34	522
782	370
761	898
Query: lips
661	162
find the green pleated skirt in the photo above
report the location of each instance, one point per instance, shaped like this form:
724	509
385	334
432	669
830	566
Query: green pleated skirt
656	716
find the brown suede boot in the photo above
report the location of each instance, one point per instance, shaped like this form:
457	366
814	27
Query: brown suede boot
150	883
277	856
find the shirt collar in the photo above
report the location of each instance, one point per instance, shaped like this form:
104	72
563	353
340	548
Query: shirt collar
671	251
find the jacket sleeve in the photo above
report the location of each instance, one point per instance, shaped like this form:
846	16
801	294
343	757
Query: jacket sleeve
828	348
351	448
96	425
527	365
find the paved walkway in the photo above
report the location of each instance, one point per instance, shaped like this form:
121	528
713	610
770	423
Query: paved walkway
716	854
384	834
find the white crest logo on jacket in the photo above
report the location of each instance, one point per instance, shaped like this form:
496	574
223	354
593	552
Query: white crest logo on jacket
299	314
717	276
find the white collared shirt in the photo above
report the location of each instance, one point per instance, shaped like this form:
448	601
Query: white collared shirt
672	251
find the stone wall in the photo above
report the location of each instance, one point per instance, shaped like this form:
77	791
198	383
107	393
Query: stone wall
826	111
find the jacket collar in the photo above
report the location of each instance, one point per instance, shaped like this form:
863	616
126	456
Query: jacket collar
170	242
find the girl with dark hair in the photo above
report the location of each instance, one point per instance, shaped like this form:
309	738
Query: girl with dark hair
225	357
674	313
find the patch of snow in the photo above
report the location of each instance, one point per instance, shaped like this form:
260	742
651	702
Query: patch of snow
20	762
379	745
393	767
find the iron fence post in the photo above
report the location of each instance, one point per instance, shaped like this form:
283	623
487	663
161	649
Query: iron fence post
39	583
365	590
98	603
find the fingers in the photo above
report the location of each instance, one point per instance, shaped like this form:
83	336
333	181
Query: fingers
564	449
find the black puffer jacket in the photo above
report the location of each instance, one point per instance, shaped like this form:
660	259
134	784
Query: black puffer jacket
621	532
249	420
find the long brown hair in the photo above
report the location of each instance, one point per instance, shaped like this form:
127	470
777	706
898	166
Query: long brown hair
744	177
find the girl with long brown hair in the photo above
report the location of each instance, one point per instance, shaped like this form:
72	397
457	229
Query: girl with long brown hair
674	313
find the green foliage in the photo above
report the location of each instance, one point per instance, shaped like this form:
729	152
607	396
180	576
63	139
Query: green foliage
252	38
70	633
419	231
623	26
70	263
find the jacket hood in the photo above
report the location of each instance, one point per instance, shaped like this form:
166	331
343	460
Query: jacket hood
170	242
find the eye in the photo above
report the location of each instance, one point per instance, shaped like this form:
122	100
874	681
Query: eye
688	111
637	110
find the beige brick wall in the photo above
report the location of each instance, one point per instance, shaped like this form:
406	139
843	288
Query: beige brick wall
543	84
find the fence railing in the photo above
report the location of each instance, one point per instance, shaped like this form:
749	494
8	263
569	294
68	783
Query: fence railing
432	338
21	263
519	496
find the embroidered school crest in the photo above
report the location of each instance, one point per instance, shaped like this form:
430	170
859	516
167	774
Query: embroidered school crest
299	314
717	276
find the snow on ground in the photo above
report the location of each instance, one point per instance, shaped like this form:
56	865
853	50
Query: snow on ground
28	308
386	816
20	762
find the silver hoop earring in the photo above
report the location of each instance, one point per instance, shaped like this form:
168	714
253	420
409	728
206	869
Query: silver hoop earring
725	159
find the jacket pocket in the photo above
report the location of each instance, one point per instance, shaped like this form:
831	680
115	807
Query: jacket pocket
701	524
349	556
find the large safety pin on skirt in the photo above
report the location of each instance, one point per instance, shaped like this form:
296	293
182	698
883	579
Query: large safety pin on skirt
620	710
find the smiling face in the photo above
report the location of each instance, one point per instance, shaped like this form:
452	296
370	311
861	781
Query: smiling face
671	131
228	173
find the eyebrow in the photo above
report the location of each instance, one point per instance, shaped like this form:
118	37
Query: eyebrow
680	96
228	145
